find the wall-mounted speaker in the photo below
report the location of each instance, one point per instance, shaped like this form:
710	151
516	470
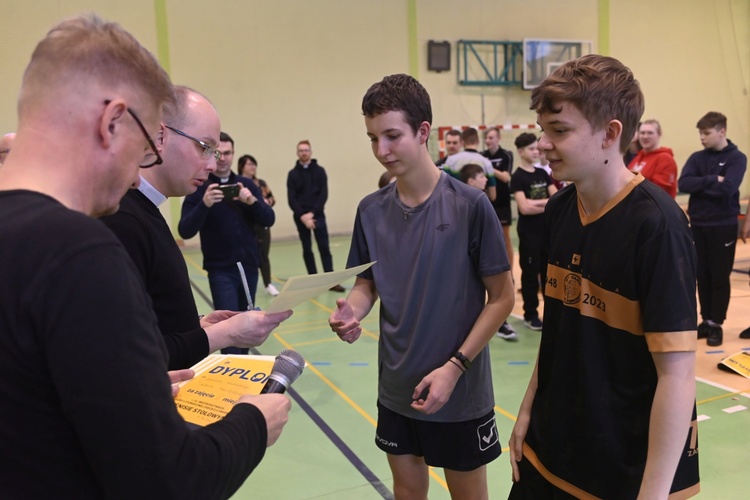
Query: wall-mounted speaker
438	56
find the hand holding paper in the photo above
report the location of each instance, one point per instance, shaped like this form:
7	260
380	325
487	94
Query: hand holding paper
299	289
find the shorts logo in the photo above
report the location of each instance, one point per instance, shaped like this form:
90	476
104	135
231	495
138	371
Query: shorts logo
576	260
384	442
572	289
487	434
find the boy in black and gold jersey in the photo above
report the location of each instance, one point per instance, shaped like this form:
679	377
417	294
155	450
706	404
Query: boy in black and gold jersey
610	408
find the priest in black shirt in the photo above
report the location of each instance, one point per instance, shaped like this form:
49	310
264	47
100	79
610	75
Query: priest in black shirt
187	142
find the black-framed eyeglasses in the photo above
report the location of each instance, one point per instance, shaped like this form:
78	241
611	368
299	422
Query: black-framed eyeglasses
150	159
208	150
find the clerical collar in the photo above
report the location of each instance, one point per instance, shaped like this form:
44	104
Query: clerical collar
151	193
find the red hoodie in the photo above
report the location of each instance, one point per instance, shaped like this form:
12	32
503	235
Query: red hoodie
659	167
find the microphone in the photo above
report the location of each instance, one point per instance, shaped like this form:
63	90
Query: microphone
287	367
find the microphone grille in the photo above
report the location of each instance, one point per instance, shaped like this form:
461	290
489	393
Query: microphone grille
290	364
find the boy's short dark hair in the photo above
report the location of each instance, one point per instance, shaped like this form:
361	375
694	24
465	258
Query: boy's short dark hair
224	137
470	136
524	140
399	93
470	171
712	119
602	88
453	131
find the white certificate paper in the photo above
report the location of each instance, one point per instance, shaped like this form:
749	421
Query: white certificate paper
299	289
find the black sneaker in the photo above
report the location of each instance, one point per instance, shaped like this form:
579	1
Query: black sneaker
745	334
703	330
533	324
715	336
506	332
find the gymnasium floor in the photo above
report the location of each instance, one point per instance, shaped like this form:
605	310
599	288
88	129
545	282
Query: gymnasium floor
326	450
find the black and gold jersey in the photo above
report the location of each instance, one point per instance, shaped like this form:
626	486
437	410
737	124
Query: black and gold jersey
620	285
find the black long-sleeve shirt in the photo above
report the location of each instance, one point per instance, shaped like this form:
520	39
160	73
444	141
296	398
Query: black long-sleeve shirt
87	410
226	228
307	189
144	233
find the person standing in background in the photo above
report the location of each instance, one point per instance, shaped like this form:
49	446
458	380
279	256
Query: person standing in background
453	145
226	221
502	164
454	163
247	166
713	177
307	193
532	188
653	162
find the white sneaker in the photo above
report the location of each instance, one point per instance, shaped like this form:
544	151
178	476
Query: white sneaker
271	290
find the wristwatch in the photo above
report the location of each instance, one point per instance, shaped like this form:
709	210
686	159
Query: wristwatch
463	359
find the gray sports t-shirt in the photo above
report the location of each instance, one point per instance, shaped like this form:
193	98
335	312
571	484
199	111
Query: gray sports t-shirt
430	260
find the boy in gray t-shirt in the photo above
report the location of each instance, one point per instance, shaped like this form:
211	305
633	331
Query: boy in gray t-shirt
444	283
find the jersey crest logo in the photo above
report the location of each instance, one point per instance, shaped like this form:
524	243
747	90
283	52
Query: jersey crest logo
576	260
442	227
572	289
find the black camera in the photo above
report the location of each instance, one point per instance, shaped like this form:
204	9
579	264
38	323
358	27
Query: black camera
231	191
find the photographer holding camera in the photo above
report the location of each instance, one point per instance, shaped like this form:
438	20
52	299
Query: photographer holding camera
224	210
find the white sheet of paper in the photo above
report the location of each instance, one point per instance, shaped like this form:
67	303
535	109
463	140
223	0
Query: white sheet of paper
299	289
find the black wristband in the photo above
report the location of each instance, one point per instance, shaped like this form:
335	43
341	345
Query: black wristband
457	365
463	359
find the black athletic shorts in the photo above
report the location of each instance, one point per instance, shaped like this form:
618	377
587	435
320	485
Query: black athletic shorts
460	446
505	215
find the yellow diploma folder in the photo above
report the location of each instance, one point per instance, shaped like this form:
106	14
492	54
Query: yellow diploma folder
220	379
738	362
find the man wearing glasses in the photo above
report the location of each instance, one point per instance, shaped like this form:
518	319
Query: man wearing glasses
87	403
187	160
230	249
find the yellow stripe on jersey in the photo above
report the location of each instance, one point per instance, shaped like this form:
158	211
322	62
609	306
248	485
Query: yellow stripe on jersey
672	341
611	308
593	301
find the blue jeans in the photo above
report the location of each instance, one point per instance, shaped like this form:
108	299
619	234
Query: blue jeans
321	238
228	293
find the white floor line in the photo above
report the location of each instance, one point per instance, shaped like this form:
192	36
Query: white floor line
720	386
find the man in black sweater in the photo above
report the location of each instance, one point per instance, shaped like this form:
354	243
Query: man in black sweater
88	410
307	192
143	231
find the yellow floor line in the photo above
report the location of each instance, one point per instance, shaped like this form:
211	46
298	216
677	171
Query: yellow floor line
505	413
349	400
193	263
716	398
330	384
